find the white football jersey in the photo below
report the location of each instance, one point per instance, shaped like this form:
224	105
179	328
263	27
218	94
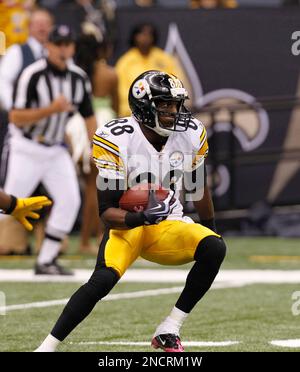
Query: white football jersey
121	151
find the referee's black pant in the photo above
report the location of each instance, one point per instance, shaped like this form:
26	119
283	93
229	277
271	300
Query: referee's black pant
3	141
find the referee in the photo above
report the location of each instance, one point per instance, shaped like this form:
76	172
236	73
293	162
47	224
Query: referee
46	95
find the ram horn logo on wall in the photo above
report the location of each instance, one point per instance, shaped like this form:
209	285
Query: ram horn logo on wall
250	126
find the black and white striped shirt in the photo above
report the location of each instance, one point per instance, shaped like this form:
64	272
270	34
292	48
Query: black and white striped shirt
41	83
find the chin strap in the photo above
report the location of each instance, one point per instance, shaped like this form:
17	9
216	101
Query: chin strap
159	130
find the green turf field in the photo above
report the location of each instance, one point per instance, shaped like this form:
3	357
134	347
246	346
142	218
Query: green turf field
251	315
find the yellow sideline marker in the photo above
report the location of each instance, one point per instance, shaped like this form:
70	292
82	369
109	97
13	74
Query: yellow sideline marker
265	259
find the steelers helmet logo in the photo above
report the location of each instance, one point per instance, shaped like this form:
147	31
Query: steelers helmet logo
139	89
176	159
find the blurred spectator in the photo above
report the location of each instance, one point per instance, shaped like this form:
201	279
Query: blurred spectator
100	15
67	12
145	3
14	20
85	15
211	4
108	8
143	55
91	55
18	57
93	15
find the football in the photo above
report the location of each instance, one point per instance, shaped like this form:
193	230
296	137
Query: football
137	196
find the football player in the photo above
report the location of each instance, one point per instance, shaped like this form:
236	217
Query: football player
158	144
22	209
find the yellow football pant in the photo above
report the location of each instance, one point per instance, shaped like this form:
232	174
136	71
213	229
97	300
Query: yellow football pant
168	243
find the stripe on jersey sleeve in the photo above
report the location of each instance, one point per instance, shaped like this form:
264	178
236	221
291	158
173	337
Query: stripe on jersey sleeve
107	155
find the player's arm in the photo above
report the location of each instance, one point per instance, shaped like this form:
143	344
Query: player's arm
10	67
110	182
91	126
205	208
117	218
115	96
112	216
26	97
29	116
5	201
86	109
201	196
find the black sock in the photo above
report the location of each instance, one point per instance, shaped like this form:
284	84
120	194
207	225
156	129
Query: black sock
209	256
83	301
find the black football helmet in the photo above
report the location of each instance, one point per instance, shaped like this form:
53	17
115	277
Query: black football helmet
153	86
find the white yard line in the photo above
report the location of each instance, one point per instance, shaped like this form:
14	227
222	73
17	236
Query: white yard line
225	279
113	297
158	276
145	343
286	343
109	297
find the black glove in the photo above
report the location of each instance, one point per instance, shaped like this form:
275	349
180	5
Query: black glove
155	212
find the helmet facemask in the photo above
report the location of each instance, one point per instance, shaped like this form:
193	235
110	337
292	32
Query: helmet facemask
180	123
